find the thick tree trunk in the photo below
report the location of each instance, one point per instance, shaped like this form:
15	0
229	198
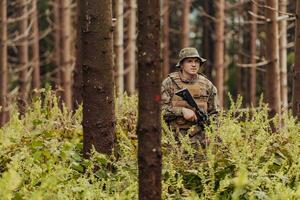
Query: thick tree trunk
3	63
97	72
131	54
186	23
66	51
283	55
77	86
149	112
23	56
296	81
119	47
253	37
35	48
219	49
272	55
166	46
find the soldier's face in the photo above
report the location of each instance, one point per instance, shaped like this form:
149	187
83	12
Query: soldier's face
190	66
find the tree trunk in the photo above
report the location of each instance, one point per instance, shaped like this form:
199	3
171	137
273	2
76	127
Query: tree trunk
272	55
253	37
208	44
119	47
66	51
166	46
35	48
283	54
219	49
23	56
97	72
246	55
57	39
3	63
131	54
186	23
296	80
149	112
77	86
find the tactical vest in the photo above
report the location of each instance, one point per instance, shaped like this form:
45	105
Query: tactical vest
198	90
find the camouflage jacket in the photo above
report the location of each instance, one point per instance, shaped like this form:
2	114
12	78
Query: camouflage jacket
169	87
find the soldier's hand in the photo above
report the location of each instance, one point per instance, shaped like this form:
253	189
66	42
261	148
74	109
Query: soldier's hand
189	114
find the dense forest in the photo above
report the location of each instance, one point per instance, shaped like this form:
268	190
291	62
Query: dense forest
82	112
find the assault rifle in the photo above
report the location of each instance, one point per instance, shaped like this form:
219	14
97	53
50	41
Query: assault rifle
200	113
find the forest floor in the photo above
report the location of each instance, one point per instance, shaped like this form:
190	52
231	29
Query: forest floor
41	157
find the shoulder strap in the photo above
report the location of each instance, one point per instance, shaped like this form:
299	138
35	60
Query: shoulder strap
172	76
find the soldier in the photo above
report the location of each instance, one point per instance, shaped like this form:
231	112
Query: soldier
177	113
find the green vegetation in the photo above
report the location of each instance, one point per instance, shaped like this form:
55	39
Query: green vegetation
40	158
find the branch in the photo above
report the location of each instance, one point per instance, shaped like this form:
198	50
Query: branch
251	65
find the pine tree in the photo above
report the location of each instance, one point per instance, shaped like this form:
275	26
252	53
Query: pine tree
272	53
219	49
3	63
97	72
35	48
149	112
296	81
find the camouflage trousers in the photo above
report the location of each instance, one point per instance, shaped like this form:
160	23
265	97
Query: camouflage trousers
195	133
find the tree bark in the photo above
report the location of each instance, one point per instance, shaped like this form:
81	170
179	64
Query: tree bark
3	63
219	49
35	48
166	45
186	23
149	112
272	55
97	71
208	44
57	40
131	54
66	51
23	56
283	55
77	86
119	47
253	37
296	80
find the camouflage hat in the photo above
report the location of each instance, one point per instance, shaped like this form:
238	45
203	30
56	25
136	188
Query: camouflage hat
189	52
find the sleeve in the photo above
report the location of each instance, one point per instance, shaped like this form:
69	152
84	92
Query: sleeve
169	112
213	106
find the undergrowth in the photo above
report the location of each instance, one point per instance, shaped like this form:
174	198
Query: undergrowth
41	157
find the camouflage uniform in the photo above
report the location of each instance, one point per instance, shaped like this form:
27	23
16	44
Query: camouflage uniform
203	91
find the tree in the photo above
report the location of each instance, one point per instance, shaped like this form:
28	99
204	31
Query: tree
119	46
186	23
253	37
283	54
66	56
149	112
35	48
272	53
131	52
57	39
208	44
166	35
296	80
97	72
3	63
77	75
219	49
23	55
